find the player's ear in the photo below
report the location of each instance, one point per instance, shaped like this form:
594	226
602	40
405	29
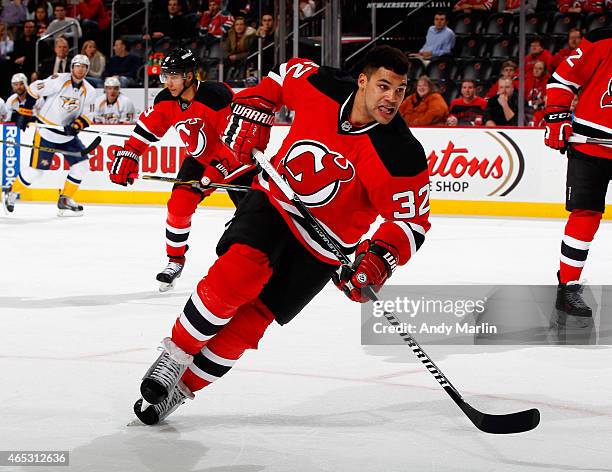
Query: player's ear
362	81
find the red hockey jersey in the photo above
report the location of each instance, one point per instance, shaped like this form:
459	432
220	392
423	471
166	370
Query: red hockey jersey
196	122
346	175
588	71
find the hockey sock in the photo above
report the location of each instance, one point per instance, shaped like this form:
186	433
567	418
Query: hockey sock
579	232
70	188
182	204
234	279
76	175
243	332
18	185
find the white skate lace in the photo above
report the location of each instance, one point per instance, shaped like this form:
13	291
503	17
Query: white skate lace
174	400
172	268
167	370
575	294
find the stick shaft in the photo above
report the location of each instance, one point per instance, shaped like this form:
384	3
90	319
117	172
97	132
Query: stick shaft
104	133
43	148
587	140
197	183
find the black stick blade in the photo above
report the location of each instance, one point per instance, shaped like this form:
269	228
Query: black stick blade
518	422
91	146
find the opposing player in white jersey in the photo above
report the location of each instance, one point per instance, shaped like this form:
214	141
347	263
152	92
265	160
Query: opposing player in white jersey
19	83
114	107
69	103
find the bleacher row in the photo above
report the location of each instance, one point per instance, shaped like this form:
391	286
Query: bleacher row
484	42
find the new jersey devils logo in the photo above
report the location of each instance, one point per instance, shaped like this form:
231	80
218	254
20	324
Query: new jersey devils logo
606	98
315	173
191	133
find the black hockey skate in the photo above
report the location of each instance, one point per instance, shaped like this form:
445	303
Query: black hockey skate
8	201
570	301
165	373
153	414
168	276
68	207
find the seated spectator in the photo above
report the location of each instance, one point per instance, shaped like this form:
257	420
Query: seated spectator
574	36
58	63
584	6
123	64
214	25
425	107
97	63
509	71
537	53
468	109
93	15
25	49
467	6
113	107
266	32
61	20
307	8
237	47
33	5
173	23
14	12
42	20
440	39
7	45
502	109
514	6
535	89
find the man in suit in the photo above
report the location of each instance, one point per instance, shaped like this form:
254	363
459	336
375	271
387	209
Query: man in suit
59	62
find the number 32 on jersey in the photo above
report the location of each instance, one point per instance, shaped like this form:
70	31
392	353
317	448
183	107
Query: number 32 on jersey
408	203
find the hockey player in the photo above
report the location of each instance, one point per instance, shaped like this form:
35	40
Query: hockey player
114	107
350	158
196	110
69	102
19	83
587	71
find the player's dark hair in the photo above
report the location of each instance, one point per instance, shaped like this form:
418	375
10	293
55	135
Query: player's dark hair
387	57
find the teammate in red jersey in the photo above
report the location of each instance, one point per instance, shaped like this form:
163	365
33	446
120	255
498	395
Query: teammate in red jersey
351	159
196	110
588	71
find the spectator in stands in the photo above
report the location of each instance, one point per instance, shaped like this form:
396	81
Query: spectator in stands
467	6
440	39
584	6
33	5
574	36
509	71
425	107
173	23
535	89
93	15
214	25
123	64
537	53
266	32
25	49
61	20
502	109
468	109
14	12
42	20
58	63
307	8
514	6
7	45
97	63
237	47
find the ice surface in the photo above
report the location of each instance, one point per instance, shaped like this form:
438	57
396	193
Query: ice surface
81	318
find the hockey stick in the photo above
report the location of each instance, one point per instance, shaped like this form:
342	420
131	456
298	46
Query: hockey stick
495	424
89	148
587	140
197	184
61	129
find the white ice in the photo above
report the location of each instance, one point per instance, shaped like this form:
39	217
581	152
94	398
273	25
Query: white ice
81	318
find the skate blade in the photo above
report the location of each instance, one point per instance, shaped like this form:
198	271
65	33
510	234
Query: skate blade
69	213
164	287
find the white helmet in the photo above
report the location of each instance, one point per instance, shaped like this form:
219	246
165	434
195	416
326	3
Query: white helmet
19	77
80	59
111	82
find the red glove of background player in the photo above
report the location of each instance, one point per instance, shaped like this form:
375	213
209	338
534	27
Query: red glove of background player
125	167
215	172
374	264
558	128
248	126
